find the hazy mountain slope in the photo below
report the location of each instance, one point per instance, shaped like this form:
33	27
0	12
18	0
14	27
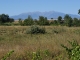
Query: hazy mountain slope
50	14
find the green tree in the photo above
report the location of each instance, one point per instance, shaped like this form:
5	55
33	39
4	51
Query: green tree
75	22
36	22
43	20
59	19
68	20
11	20
46	22
79	19
4	18
28	21
53	22
20	21
79	11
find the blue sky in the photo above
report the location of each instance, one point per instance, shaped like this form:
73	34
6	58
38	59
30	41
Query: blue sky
15	7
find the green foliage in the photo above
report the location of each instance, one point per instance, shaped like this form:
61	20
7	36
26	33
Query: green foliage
74	52
7	24
11	20
59	19
28	21
36	22
55	23
39	55
79	11
46	52
5	18
7	55
43	20
68	20
36	29
1	38
75	22
20	22
36	56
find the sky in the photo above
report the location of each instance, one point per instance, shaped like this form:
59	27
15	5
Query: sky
15	7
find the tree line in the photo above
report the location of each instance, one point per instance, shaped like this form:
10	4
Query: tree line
42	21
66	21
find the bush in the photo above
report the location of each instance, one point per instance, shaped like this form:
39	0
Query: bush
7	55
74	52
36	29
39	55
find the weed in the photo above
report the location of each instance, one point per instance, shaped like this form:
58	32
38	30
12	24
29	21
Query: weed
74	52
7	55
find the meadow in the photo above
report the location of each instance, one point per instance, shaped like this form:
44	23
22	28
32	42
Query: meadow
16	38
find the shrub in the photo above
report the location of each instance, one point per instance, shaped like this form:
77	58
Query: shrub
39	55
7	55
36	29
36	56
74	52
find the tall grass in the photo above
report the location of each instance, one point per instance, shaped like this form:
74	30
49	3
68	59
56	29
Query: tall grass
15	38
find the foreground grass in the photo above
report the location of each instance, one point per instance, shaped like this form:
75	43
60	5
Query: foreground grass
15	38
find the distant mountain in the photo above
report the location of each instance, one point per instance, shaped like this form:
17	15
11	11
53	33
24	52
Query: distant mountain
49	15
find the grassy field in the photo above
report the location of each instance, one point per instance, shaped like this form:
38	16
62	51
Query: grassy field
15	38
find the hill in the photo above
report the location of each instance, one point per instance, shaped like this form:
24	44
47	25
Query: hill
50	14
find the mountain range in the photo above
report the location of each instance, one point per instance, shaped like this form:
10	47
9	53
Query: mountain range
49	15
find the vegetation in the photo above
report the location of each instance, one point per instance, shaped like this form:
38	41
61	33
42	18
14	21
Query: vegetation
74	52
59	20
43	21
36	46
5	19
79	11
35	30
28	21
39	39
20	22
7	55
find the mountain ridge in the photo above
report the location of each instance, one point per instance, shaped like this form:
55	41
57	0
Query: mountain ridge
49	15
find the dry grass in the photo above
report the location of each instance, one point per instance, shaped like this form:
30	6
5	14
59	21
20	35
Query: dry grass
15	38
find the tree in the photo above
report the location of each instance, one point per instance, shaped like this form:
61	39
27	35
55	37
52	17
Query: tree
4	18
75	22
28	21
68	20
51	18
55	22
36	22
59	19
43	20
20	21
11	20
46	22
79	11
